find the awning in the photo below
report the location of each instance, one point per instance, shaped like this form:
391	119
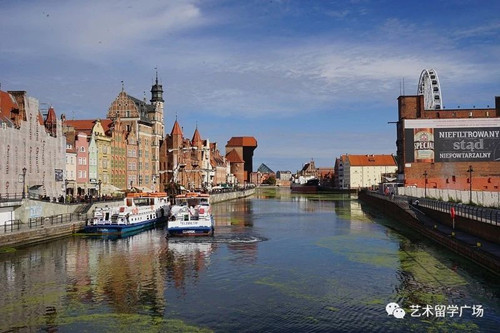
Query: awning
143	189
108	188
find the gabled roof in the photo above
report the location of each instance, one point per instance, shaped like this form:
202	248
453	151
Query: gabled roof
242	141
106	124
70	139
196	137
176	130
84	126
7	104
264	169
309	166
40	117
143	108
371	160
51	116
234	157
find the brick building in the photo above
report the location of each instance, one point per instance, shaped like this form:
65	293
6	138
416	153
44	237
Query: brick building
193	164
239	153
454	149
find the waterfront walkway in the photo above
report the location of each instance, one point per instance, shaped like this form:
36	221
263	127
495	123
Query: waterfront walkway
16	232
464	237
457	240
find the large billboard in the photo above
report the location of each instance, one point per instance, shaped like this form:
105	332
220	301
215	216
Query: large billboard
452	140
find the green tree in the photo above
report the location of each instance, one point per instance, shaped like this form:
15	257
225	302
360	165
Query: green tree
271	180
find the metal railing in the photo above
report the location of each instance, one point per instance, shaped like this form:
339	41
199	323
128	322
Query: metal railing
37	222
6	197
11	226
482	214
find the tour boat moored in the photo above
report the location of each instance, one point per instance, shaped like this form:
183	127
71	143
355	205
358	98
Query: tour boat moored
191	216
139	211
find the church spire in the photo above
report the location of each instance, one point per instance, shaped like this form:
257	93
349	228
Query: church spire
157	90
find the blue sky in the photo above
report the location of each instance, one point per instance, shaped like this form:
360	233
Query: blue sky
307	79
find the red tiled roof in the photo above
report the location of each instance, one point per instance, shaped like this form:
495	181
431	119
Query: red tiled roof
106	123
7	103
196	137
242	141
176	130
51	116
234	157
84	126
371	160
40	117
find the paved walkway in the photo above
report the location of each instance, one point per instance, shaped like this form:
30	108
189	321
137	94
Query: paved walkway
486	246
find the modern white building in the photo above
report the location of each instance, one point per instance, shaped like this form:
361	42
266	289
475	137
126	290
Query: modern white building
362	171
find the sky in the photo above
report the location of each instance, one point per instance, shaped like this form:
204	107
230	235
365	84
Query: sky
307	79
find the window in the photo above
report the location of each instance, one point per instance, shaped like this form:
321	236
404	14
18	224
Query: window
82	149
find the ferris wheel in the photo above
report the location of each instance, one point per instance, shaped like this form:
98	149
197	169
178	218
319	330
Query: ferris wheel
428	85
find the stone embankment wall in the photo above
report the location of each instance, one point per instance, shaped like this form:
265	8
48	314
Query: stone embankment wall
219	197
41	234
400	211
38	208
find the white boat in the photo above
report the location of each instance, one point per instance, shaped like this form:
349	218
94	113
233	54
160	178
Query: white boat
191	216
101	215
138	211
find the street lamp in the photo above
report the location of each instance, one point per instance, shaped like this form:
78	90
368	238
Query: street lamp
99	193
24	183
425	183
470	170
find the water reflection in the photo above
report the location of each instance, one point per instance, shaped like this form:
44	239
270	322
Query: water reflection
233	213
277	262
185	259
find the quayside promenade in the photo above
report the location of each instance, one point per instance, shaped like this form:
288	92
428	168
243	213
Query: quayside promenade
473	233
34	230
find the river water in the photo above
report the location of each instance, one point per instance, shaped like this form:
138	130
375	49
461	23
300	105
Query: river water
277	263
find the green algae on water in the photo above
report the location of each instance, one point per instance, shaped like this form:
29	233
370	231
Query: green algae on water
331	308
377	252
7	249
113	322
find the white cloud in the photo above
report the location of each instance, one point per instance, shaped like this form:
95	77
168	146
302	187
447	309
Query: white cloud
95	28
